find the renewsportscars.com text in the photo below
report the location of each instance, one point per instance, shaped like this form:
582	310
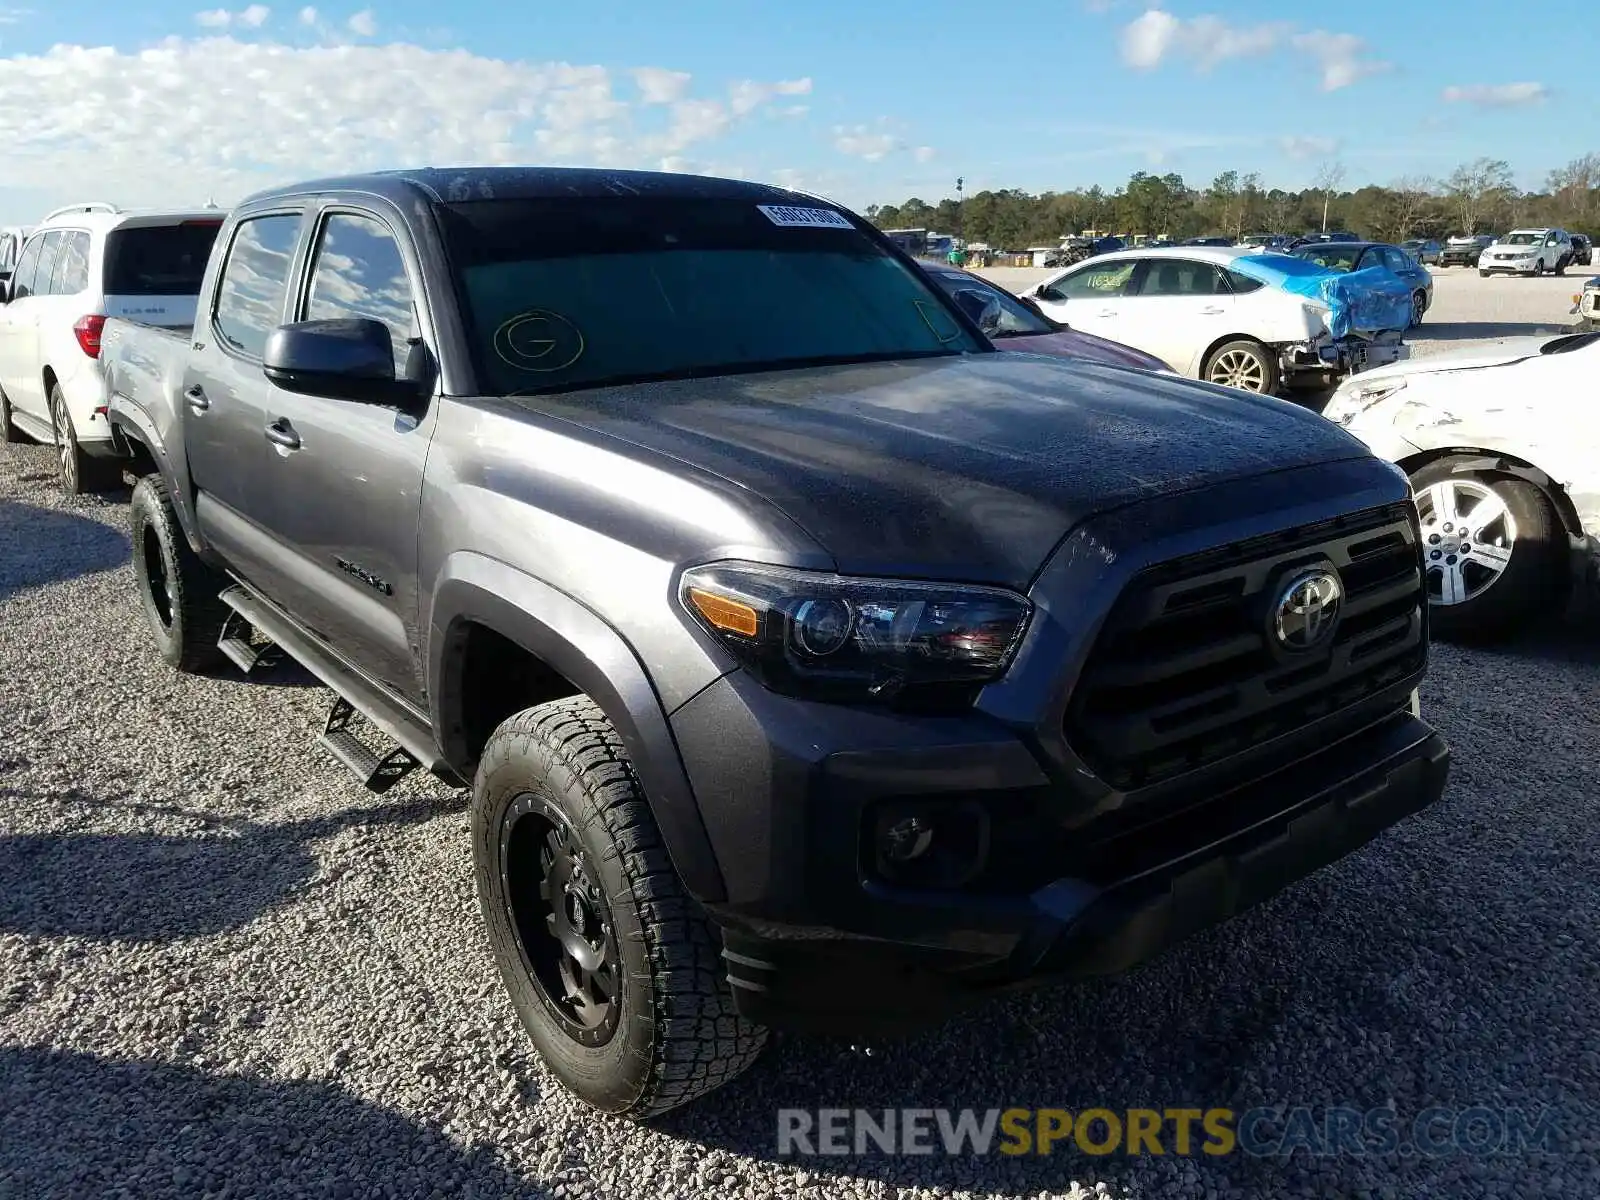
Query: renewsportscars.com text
1262	1132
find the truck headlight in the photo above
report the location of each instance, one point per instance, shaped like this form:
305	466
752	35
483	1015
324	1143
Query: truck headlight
853	641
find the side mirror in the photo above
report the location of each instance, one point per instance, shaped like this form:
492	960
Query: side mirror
984	311
1048	294
345	359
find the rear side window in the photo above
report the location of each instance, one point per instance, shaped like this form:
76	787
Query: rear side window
158	260
1240	283
27	267
254	280
48	253
72	265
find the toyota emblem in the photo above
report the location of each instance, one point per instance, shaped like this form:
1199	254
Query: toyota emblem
1307	610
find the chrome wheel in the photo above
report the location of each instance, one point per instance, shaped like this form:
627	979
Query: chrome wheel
1239	369
1468	537
66	449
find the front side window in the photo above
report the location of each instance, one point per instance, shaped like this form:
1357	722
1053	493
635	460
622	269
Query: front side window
359	272
254	281
72	265
1097	282
565	293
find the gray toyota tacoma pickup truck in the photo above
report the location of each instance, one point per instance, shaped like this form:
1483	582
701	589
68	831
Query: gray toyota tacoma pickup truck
812	664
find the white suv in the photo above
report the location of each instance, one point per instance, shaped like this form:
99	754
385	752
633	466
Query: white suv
1527	252
79	266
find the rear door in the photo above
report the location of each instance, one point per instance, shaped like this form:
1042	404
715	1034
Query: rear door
343	499
1176	309
16	322
223	389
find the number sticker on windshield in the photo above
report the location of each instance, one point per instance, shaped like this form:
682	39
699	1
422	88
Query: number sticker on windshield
810	218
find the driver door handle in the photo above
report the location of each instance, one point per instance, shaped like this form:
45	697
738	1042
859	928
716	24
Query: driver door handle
281	433
1211	311
196	396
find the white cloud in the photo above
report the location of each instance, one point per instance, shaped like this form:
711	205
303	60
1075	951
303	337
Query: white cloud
364	23
660	86
1157	36
864	142
214	18
747	95
190	117
794	110
255	16
308	15
1309	147
220	18
1498	95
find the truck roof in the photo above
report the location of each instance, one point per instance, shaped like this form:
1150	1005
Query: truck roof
530	183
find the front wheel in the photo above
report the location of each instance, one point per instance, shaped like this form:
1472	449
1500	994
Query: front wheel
614	970
1491	549
1244	364
1483	273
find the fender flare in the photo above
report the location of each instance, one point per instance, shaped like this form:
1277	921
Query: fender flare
1470	458
130	422
574	640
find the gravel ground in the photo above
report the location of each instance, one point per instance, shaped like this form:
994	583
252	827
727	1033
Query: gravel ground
227	970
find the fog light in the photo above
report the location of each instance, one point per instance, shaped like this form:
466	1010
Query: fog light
906	839
939	844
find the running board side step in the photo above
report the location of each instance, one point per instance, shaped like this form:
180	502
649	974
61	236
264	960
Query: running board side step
407	729
234	641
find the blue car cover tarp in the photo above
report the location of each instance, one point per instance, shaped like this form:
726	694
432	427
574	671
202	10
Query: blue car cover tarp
1367	301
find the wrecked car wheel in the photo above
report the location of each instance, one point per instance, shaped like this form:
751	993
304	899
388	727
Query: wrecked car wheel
1244	364
1492	551
613	968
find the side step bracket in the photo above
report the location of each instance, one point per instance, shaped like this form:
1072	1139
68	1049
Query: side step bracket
234	641
377	774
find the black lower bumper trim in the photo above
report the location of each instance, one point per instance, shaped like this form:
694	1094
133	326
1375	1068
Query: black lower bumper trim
1079	927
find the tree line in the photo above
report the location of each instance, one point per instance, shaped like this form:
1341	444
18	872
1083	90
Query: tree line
1477	197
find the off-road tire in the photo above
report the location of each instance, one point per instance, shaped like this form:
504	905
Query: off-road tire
678	1036
80	474
187	615
13	435
1267	364
1534	584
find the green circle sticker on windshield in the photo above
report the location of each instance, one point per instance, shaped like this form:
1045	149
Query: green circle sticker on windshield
538	340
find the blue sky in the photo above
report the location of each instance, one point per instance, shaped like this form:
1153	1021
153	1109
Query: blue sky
172	103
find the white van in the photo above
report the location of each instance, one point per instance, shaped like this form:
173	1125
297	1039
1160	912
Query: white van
78	266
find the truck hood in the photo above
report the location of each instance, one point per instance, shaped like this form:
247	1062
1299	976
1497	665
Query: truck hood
969	468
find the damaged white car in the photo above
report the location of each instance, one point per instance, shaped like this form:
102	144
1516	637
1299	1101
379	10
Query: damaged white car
1503	449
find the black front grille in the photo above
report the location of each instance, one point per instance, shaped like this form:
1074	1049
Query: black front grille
1186	673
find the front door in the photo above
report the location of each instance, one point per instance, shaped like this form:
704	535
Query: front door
1089	298
344	478
223	388
23	377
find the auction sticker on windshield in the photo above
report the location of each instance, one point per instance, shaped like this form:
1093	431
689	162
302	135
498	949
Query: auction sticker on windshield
814	218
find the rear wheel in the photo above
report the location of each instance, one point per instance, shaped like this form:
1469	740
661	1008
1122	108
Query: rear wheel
79	473
1419	306
612	966
1243	364
179	593
1492	549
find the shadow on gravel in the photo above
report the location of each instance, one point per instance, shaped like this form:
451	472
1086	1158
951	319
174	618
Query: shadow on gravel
1573	639
156	887
40	546
76	1125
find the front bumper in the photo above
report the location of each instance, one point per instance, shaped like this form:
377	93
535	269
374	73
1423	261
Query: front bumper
1509	266
820	945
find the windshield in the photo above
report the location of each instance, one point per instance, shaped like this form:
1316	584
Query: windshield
1330	256
1522	239
576	292
158	260
1016	318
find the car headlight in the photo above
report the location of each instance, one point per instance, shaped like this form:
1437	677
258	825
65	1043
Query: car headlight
1357	395
853	641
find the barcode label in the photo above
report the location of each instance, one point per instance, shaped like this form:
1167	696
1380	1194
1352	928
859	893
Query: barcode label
813	218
